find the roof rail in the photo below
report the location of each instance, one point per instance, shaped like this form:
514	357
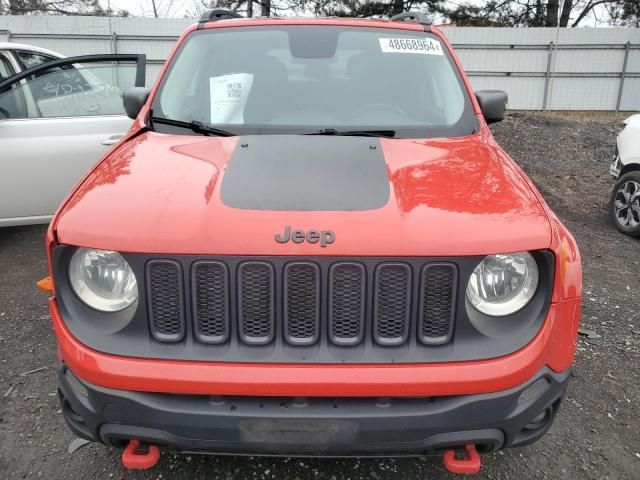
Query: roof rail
416	17
212	15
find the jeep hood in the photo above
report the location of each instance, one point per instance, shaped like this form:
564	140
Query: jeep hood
160	193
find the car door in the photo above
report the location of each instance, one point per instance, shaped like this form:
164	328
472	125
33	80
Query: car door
56	120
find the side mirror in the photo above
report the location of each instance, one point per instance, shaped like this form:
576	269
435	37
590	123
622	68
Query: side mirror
493	104
134	99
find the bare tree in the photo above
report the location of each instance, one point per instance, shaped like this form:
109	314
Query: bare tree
541	13
267	8
59	7
159	8
364	8
552	13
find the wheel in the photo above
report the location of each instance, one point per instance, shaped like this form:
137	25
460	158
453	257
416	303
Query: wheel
625	204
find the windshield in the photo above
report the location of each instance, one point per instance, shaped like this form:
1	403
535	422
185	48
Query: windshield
305	79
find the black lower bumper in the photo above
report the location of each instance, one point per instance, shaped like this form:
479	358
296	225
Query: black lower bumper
313	426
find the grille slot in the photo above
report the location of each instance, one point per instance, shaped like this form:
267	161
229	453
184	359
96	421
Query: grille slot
210	294
438	287
347	295
392	303
302	303
166	300
256	308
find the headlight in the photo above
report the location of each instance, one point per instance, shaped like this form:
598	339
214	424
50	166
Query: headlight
503	284
102	279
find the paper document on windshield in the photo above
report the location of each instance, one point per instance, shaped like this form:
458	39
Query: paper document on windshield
229	95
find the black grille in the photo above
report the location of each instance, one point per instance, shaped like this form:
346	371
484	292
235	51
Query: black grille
211	301
323	305
256	302
392	303
437	303
302	303
166	300
347	283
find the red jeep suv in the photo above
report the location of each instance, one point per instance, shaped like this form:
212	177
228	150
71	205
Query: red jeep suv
309	243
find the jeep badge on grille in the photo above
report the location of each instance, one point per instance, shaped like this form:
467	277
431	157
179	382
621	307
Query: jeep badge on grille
325	237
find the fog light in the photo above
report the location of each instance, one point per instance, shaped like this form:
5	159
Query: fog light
533	392
540	420
540	417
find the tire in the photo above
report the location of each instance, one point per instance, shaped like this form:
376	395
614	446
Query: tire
624	207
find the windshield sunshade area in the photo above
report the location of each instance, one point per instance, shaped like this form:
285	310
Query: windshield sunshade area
312	79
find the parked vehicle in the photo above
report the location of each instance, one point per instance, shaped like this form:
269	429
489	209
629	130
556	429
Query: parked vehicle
309	243
58	116
17	57
624	206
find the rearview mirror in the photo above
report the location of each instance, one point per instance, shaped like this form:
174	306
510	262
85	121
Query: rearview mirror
134	99
493	104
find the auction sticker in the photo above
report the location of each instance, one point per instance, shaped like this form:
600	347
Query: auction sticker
423	46
229	94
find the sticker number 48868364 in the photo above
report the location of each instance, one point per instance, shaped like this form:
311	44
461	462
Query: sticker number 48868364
424	46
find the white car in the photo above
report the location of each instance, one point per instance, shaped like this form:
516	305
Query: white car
58	116
625	197
16	57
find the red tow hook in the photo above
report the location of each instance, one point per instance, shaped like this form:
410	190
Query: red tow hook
471	464
133	459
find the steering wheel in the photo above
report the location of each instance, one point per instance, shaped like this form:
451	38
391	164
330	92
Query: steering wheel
4	113
377	107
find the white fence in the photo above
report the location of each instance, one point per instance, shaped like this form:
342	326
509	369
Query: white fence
593	69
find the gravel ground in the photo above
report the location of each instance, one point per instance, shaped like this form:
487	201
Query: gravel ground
596	436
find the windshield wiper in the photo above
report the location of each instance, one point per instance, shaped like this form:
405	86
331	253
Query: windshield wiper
197	127
355	133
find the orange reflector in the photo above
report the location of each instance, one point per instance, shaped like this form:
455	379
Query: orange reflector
46	284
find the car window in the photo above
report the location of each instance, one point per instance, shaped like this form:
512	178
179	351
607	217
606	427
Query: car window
10	105
66	80
291	79
5	68
28	59
72	91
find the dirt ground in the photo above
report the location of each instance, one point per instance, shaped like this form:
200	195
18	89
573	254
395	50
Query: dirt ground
596	436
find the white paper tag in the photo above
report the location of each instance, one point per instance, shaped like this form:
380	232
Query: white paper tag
229	95
423	46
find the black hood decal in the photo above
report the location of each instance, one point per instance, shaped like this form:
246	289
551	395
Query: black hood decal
306	173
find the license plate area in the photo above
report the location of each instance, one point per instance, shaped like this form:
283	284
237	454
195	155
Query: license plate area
302	433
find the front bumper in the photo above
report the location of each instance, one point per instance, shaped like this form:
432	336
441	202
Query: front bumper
313	426
553	347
